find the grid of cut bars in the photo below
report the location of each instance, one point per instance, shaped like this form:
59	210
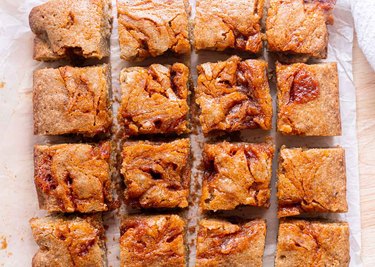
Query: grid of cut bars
74	181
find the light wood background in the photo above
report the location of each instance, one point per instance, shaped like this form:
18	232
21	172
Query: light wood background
364	79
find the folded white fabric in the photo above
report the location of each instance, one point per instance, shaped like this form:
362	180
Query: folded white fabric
364	20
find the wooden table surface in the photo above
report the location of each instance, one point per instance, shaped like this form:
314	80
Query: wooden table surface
364	79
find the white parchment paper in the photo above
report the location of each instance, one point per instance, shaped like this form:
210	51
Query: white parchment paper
18	199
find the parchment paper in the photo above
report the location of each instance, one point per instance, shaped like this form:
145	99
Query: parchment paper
18	197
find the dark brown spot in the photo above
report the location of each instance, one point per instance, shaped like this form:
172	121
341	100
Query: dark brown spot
304	87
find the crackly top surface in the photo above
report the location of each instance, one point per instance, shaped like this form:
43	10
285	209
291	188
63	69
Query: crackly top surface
313	243
221	243
157	175
68	241
154	99
236	174
66	28
299	26
156	241
308	99
234	95
151	27
311	180
73	177
226	24
72	100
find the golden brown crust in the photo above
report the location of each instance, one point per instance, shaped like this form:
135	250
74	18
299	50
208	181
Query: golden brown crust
311	180
298	27
71	100
156	241
313	243
236	174
154	99
234	95
157	175
224	244
222	24
69	241
308	99
66	28
150	28
73	177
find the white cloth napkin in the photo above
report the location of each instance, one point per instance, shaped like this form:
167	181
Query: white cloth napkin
364	20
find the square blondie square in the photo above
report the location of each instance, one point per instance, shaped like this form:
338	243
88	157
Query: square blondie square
151	28
69	241
154	100
157	240
236	174
297	29
313	243
308	99
234	95
157	175
68	28
223	24
222	243
311	180
72	100
73	177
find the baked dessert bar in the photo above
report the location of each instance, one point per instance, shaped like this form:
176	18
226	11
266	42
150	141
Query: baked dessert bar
308	99
69	241
221	243
70	28
153	241
236	174
234	95
150	28
226	24
311	180
154	99
72	100
312	243
157	175
298	28
73	177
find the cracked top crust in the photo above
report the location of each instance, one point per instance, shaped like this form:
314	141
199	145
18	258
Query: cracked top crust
236	174
156	241
299	27
157	175
66	28
69	241
221	243
154	99
73	177
311	180
234	95
313	243
308	99
71	100
152	27
223	24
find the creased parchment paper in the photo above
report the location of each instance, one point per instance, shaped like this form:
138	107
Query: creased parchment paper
18	197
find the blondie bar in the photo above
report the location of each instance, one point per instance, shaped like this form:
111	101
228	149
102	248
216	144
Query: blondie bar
234	95
154	99
222	24
73	177
157	175
150	28
308	99
236	174
71	28
221	243
156	241
72	100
